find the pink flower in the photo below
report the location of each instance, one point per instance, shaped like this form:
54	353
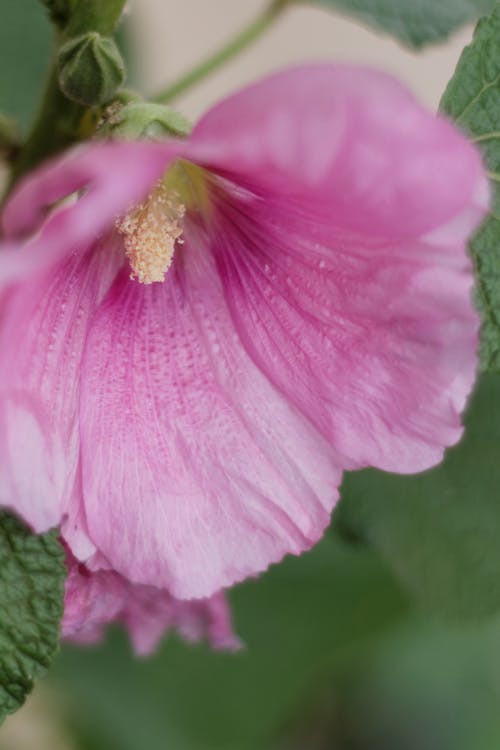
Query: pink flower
95	599
310	312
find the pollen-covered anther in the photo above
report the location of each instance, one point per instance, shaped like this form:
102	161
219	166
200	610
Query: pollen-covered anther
151	230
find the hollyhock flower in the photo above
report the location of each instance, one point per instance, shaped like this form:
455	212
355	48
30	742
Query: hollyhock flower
201	340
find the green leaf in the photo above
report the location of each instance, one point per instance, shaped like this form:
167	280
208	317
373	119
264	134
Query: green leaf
472	99
31	599
413	22
439	531
25	39
425	686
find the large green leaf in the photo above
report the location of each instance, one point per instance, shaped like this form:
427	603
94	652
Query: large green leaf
439	531
472	99
413	22
24	52
31	598
424	686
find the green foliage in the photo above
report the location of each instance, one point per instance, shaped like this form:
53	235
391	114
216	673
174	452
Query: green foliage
413	22
60	121
439	531
32	575
424	686
334	659
472	99
296	621
24	53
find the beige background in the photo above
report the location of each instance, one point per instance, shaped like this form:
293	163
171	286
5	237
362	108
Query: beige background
179	32
172	35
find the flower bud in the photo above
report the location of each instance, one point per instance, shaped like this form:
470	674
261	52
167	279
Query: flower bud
91	69
145	121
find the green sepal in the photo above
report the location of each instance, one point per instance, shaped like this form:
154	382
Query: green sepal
90	69
140	120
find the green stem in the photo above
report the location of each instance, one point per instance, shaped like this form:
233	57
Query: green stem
59	121
59	11
53	129
243	40
94	15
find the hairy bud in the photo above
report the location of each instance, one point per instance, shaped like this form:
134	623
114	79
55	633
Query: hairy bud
91	69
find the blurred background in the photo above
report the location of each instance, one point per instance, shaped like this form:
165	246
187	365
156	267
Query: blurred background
385	636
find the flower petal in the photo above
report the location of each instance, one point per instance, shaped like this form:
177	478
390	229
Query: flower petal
43	327
374	343
343	144
196	472
150	612
93	600
111	177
